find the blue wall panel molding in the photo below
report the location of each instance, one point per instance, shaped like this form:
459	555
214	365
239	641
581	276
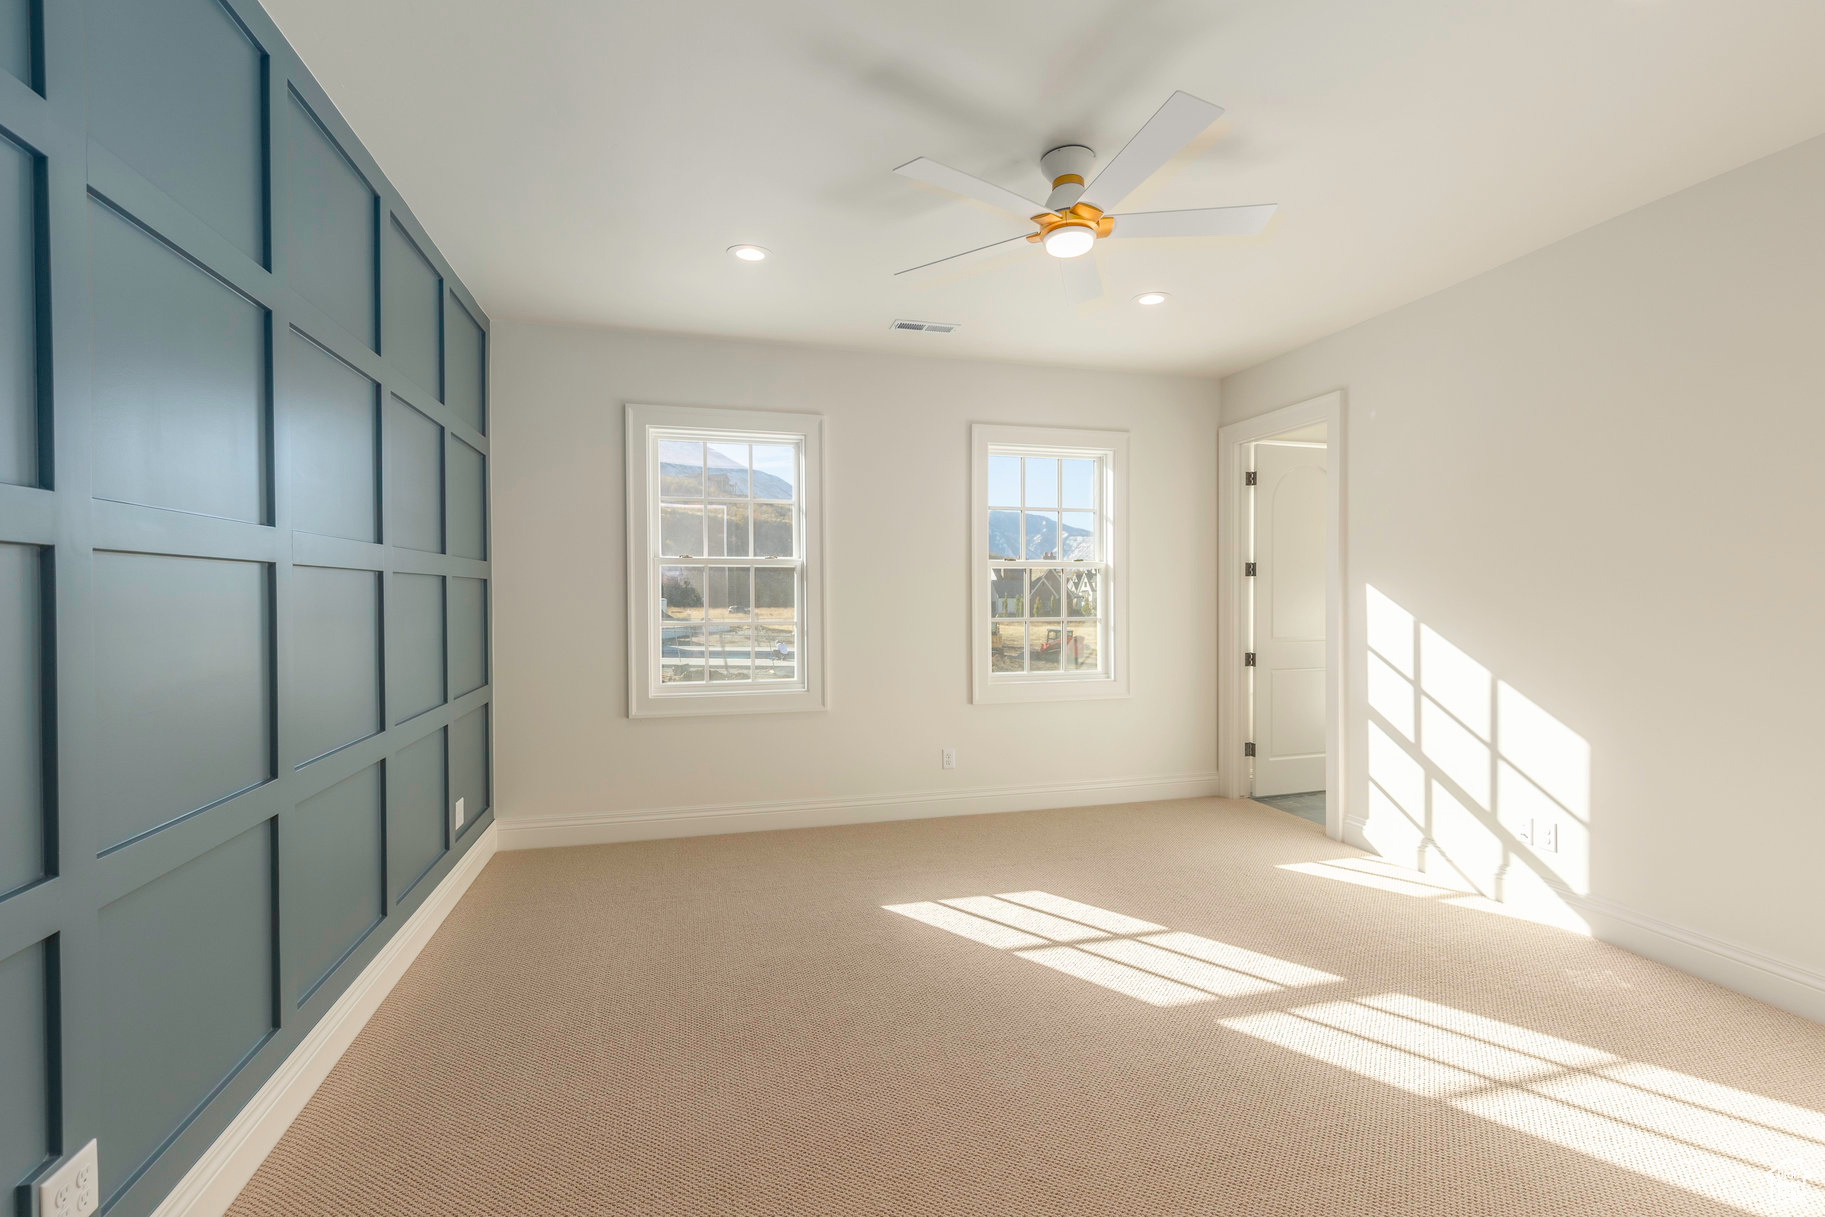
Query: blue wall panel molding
244	649
17	40
20	227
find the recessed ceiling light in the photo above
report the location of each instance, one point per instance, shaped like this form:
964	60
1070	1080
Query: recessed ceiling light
749	253
1150	298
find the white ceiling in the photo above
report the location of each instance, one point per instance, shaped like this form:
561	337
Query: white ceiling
590	160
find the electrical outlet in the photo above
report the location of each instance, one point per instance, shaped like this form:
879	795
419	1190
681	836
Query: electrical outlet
1549	838
947	758
456	815
73	1189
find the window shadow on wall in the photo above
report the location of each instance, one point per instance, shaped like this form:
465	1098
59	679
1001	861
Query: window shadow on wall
1468	777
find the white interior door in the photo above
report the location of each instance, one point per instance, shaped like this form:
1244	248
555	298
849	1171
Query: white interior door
1288	618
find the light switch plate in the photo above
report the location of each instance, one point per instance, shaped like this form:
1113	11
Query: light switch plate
73	1189
456	815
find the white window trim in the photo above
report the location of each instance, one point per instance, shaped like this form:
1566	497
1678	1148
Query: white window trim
643	700
1112	681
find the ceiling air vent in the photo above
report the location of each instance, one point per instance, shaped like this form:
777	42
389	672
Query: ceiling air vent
930	327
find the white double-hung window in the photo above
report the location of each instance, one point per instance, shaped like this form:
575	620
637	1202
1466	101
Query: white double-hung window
1048	593
725	603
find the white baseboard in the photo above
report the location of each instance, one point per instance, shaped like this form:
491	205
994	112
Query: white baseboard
219	1175
1790	986
1356	832
1794	987
541	832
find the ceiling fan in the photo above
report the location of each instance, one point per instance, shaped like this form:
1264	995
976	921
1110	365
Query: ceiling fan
1076	215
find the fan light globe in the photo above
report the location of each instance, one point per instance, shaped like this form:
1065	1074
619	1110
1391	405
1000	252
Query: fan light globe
1070	241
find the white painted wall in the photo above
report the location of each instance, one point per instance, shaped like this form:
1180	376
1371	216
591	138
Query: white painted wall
1567	469
897	560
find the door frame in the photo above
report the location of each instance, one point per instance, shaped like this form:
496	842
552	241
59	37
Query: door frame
1232	510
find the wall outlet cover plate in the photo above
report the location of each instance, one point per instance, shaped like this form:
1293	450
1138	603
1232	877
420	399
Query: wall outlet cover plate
73	1189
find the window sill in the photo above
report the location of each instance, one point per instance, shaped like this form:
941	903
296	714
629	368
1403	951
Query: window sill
699	705
990	692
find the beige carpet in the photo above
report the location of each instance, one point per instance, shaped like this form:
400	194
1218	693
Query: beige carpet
1155	1017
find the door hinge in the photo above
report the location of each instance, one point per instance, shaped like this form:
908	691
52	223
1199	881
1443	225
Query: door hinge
1248	750
1248	479
1248	659
1248	570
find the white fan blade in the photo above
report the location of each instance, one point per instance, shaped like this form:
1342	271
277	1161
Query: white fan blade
958	182
966	253
1083	283
1197	222
1177	123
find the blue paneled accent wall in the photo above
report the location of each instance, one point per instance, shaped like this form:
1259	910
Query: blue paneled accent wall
244	581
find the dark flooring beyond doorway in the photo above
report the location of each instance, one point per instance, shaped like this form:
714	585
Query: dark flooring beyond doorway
1307	806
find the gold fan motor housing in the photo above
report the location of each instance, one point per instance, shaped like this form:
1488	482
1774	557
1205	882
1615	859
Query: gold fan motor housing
1077	215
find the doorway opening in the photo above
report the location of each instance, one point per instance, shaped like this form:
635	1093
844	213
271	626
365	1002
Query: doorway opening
1281	611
